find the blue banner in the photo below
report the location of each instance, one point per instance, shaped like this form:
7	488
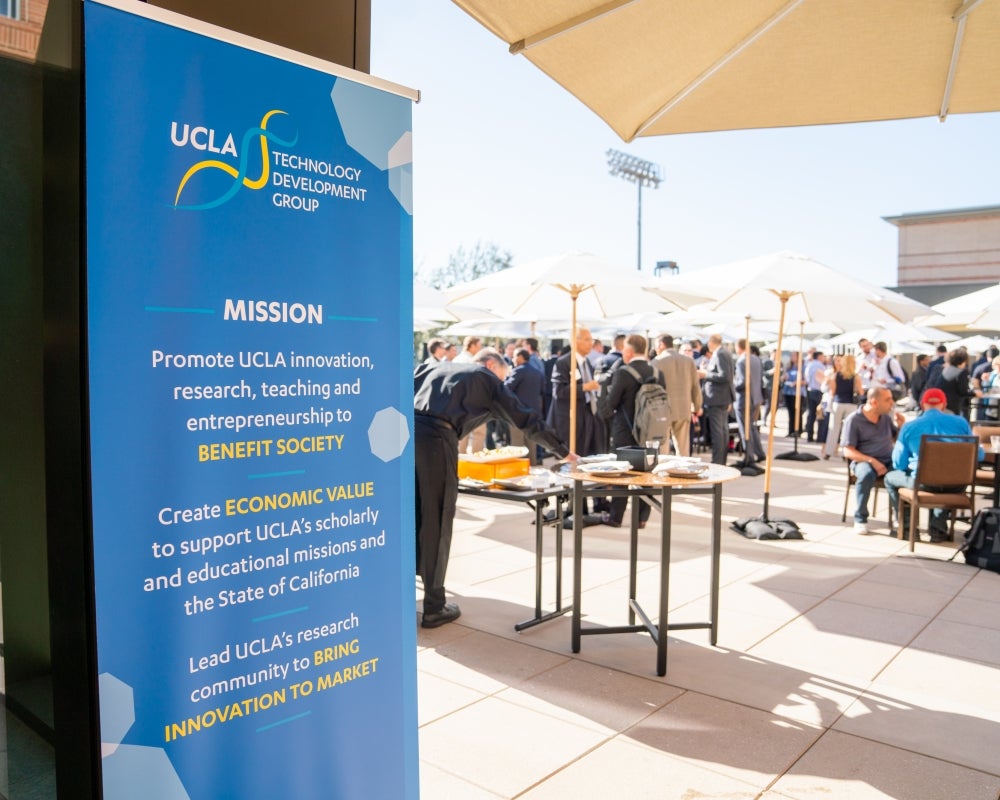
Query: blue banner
249	273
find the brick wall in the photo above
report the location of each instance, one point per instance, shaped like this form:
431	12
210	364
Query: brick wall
19	37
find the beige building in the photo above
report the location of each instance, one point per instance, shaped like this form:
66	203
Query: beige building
943	254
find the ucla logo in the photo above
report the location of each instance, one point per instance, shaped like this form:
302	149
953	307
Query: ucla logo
201	138
208	140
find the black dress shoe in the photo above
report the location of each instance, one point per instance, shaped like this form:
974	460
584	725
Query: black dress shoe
436	619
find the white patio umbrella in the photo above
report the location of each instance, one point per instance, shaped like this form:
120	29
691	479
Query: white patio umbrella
598	289
974	344
513	328
792	286
979	310
646	322
595	288
429	308
793	344
490	327
893	333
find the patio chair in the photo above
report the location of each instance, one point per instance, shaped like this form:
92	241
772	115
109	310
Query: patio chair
945	478
851	480
985	474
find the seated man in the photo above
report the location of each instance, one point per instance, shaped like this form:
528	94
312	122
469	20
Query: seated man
934	420
867	439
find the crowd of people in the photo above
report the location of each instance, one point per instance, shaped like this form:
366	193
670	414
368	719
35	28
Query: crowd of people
480	397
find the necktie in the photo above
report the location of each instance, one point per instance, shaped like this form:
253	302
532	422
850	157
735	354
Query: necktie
587	377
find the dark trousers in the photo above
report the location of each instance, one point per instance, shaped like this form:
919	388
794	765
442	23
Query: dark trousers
794	423
618	505
815	397
752	447
435	456
718	429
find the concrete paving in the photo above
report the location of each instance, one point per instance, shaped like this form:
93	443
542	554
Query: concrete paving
845	668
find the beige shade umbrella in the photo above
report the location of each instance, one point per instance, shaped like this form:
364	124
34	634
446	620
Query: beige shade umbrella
651	67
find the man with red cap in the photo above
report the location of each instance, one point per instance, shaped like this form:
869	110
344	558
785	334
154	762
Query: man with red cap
936	419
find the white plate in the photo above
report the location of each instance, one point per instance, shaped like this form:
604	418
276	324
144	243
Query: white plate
685	472
520	484
608	469
600	458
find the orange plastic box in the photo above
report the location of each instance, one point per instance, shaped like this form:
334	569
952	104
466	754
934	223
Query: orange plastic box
490	471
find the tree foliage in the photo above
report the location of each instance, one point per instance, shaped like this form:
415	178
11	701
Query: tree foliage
465	265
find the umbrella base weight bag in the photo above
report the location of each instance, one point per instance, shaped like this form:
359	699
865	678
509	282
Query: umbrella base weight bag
757	528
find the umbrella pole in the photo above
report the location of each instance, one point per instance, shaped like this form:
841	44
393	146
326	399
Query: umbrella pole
775	389
748	469
572	378
795	455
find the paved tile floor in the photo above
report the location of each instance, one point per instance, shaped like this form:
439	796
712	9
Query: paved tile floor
846	668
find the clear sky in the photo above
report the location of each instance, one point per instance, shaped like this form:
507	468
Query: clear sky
502	154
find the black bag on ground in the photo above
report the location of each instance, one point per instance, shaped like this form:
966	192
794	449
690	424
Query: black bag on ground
982	542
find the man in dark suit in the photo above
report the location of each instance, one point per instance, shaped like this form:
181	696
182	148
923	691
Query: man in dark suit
612	358
449	401
719	396
617	407
752	390
936	365
528	384
587	388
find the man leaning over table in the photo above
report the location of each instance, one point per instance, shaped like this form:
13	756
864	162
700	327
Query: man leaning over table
449	401
935	420
868	438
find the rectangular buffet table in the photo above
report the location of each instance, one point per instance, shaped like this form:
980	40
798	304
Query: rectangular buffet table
534	499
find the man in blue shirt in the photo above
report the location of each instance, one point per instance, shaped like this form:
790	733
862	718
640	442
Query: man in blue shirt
934	420
813	377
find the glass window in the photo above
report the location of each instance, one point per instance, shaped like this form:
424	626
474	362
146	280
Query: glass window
10	8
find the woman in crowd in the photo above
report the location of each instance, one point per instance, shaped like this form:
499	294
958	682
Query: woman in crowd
845	388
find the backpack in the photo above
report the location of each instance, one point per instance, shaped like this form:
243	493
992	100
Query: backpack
651	416
982	542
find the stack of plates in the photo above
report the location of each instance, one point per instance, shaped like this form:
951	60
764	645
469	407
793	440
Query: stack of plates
681	467
607	469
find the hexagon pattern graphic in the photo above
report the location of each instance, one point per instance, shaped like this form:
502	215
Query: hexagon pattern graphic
132	767
379	129
117	711
388	434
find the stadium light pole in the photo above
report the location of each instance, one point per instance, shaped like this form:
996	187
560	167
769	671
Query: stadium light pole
637	171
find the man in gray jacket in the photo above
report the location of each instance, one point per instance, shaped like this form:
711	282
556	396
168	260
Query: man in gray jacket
719	396
752	390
